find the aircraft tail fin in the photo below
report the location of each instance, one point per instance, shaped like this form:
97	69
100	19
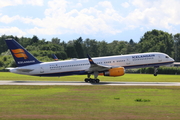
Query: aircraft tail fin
90	59
20	54
54	57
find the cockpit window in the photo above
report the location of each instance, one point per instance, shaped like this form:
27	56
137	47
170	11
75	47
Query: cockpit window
167	57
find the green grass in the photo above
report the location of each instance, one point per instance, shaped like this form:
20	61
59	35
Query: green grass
89	102
126	77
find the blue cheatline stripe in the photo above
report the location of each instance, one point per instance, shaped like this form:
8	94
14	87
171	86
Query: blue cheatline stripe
147	65
63	73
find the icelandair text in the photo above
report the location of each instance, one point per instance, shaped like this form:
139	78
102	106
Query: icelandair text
143	56
25	62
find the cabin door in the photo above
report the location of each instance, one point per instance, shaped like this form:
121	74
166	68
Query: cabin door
159	58
128	61
41	69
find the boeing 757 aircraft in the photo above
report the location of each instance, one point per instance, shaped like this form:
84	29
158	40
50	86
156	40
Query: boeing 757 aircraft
107	66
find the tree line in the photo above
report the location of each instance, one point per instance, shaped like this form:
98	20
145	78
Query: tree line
151	41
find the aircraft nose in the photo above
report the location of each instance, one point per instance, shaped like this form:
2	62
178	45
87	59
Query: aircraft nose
172	59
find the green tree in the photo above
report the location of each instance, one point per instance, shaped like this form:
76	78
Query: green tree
78	46
71	51
103	48
35	39
55	41
156	41
3	46
91	47
1	63
131	47
113	47
61	55
176	39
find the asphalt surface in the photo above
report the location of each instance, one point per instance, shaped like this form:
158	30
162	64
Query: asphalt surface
4	82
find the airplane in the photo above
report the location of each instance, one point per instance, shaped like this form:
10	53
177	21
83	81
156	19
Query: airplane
107	66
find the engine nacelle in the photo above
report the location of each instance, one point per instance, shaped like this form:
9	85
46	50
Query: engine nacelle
115	72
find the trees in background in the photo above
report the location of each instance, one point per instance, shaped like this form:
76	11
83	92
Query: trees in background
157	41
176	51
152	41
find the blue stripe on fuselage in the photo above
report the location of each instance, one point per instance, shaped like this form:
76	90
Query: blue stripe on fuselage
147	65
63	73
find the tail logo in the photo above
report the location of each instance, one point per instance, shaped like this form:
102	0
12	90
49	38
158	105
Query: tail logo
19	53
90	60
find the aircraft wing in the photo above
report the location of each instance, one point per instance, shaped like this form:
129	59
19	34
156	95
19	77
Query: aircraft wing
95	67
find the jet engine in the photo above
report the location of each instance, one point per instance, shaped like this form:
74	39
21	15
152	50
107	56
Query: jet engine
115	72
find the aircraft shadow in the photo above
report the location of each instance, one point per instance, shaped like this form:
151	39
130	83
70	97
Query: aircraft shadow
101	83
133	83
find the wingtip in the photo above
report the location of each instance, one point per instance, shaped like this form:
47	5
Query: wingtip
90	60
88	56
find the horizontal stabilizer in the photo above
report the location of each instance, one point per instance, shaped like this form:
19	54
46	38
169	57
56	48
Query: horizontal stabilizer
9	68
20	69
25	70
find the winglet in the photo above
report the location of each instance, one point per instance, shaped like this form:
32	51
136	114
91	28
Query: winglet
90	60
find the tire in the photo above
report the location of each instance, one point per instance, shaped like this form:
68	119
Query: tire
86	80
97	80
155	74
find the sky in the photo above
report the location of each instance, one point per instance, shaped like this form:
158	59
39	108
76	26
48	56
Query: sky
94	19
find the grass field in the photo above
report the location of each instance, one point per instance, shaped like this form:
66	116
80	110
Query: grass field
126	77
90	102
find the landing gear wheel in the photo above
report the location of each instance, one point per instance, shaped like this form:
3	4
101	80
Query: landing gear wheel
91	80
155	74
86	80
94	81
97	80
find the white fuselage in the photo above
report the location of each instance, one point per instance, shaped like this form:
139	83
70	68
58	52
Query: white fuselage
80	66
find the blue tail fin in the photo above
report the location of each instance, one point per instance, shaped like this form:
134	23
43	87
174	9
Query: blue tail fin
54	57
20	54
90	59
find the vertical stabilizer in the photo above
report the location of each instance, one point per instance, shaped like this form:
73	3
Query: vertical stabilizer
55	57
20	54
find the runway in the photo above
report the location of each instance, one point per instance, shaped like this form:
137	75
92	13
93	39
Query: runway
4	82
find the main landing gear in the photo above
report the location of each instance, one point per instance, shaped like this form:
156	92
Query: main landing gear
90	80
